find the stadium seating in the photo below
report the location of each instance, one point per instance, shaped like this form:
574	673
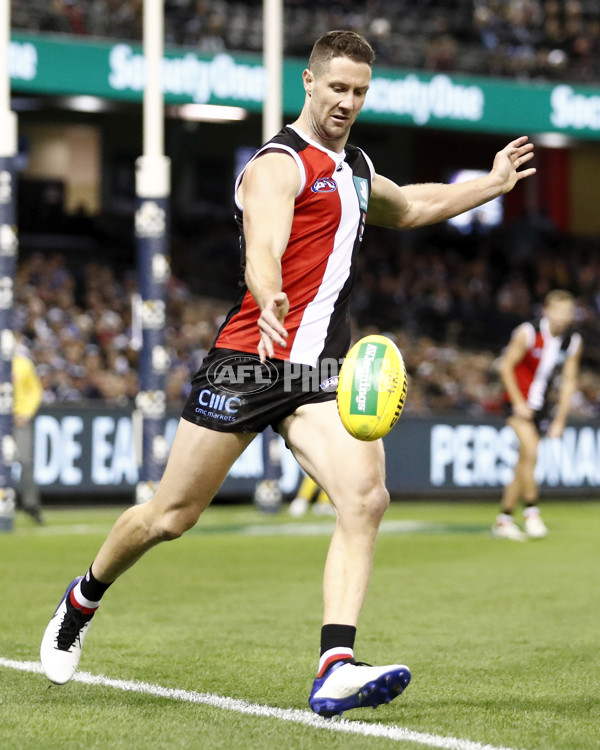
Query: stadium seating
528	39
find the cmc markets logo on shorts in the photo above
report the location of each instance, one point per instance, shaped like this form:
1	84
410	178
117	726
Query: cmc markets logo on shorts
242	374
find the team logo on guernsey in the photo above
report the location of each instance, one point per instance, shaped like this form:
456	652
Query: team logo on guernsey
324	185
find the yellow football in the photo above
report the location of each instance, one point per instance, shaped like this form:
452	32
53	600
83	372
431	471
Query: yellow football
372	388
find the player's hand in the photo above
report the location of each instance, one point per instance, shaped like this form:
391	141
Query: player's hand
508	161
556	429
271	326
523	411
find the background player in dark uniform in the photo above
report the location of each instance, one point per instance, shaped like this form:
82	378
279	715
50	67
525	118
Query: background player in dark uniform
534	354
302	205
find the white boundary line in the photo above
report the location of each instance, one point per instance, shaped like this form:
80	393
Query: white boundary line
394	733
63	530
323	528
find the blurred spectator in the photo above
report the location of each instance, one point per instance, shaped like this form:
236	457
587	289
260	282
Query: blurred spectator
27	397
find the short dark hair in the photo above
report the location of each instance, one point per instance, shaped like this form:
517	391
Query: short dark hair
558	295
340	43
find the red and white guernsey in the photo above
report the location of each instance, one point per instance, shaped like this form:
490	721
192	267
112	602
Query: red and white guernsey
318	267
545	354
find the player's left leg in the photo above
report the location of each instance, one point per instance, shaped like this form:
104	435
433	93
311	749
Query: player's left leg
352	473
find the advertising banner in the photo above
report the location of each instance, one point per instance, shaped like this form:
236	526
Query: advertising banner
93	452
470	458
64	65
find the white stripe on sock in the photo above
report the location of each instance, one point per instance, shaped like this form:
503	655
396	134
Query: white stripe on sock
343	651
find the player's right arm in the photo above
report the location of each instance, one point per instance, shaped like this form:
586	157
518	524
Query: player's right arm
515	352
267	194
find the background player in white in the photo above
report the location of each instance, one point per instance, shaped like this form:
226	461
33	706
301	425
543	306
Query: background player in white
535	353
351	472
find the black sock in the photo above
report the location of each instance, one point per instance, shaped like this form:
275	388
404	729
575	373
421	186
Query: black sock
91	587
336	636
337	645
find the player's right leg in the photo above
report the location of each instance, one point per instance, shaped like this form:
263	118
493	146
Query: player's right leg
198	463
523	484
535	528
529	438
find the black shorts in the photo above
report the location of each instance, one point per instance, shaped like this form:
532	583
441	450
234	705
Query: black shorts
234	392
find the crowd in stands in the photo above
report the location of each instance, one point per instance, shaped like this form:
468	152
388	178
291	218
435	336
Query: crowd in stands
449	301
77	325
531	39
452	302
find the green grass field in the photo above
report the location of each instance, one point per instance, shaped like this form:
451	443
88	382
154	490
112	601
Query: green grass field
502	638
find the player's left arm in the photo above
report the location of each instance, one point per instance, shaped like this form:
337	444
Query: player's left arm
418	205
568	386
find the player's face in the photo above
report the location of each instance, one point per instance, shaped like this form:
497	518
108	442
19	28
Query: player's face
560	316
336	96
